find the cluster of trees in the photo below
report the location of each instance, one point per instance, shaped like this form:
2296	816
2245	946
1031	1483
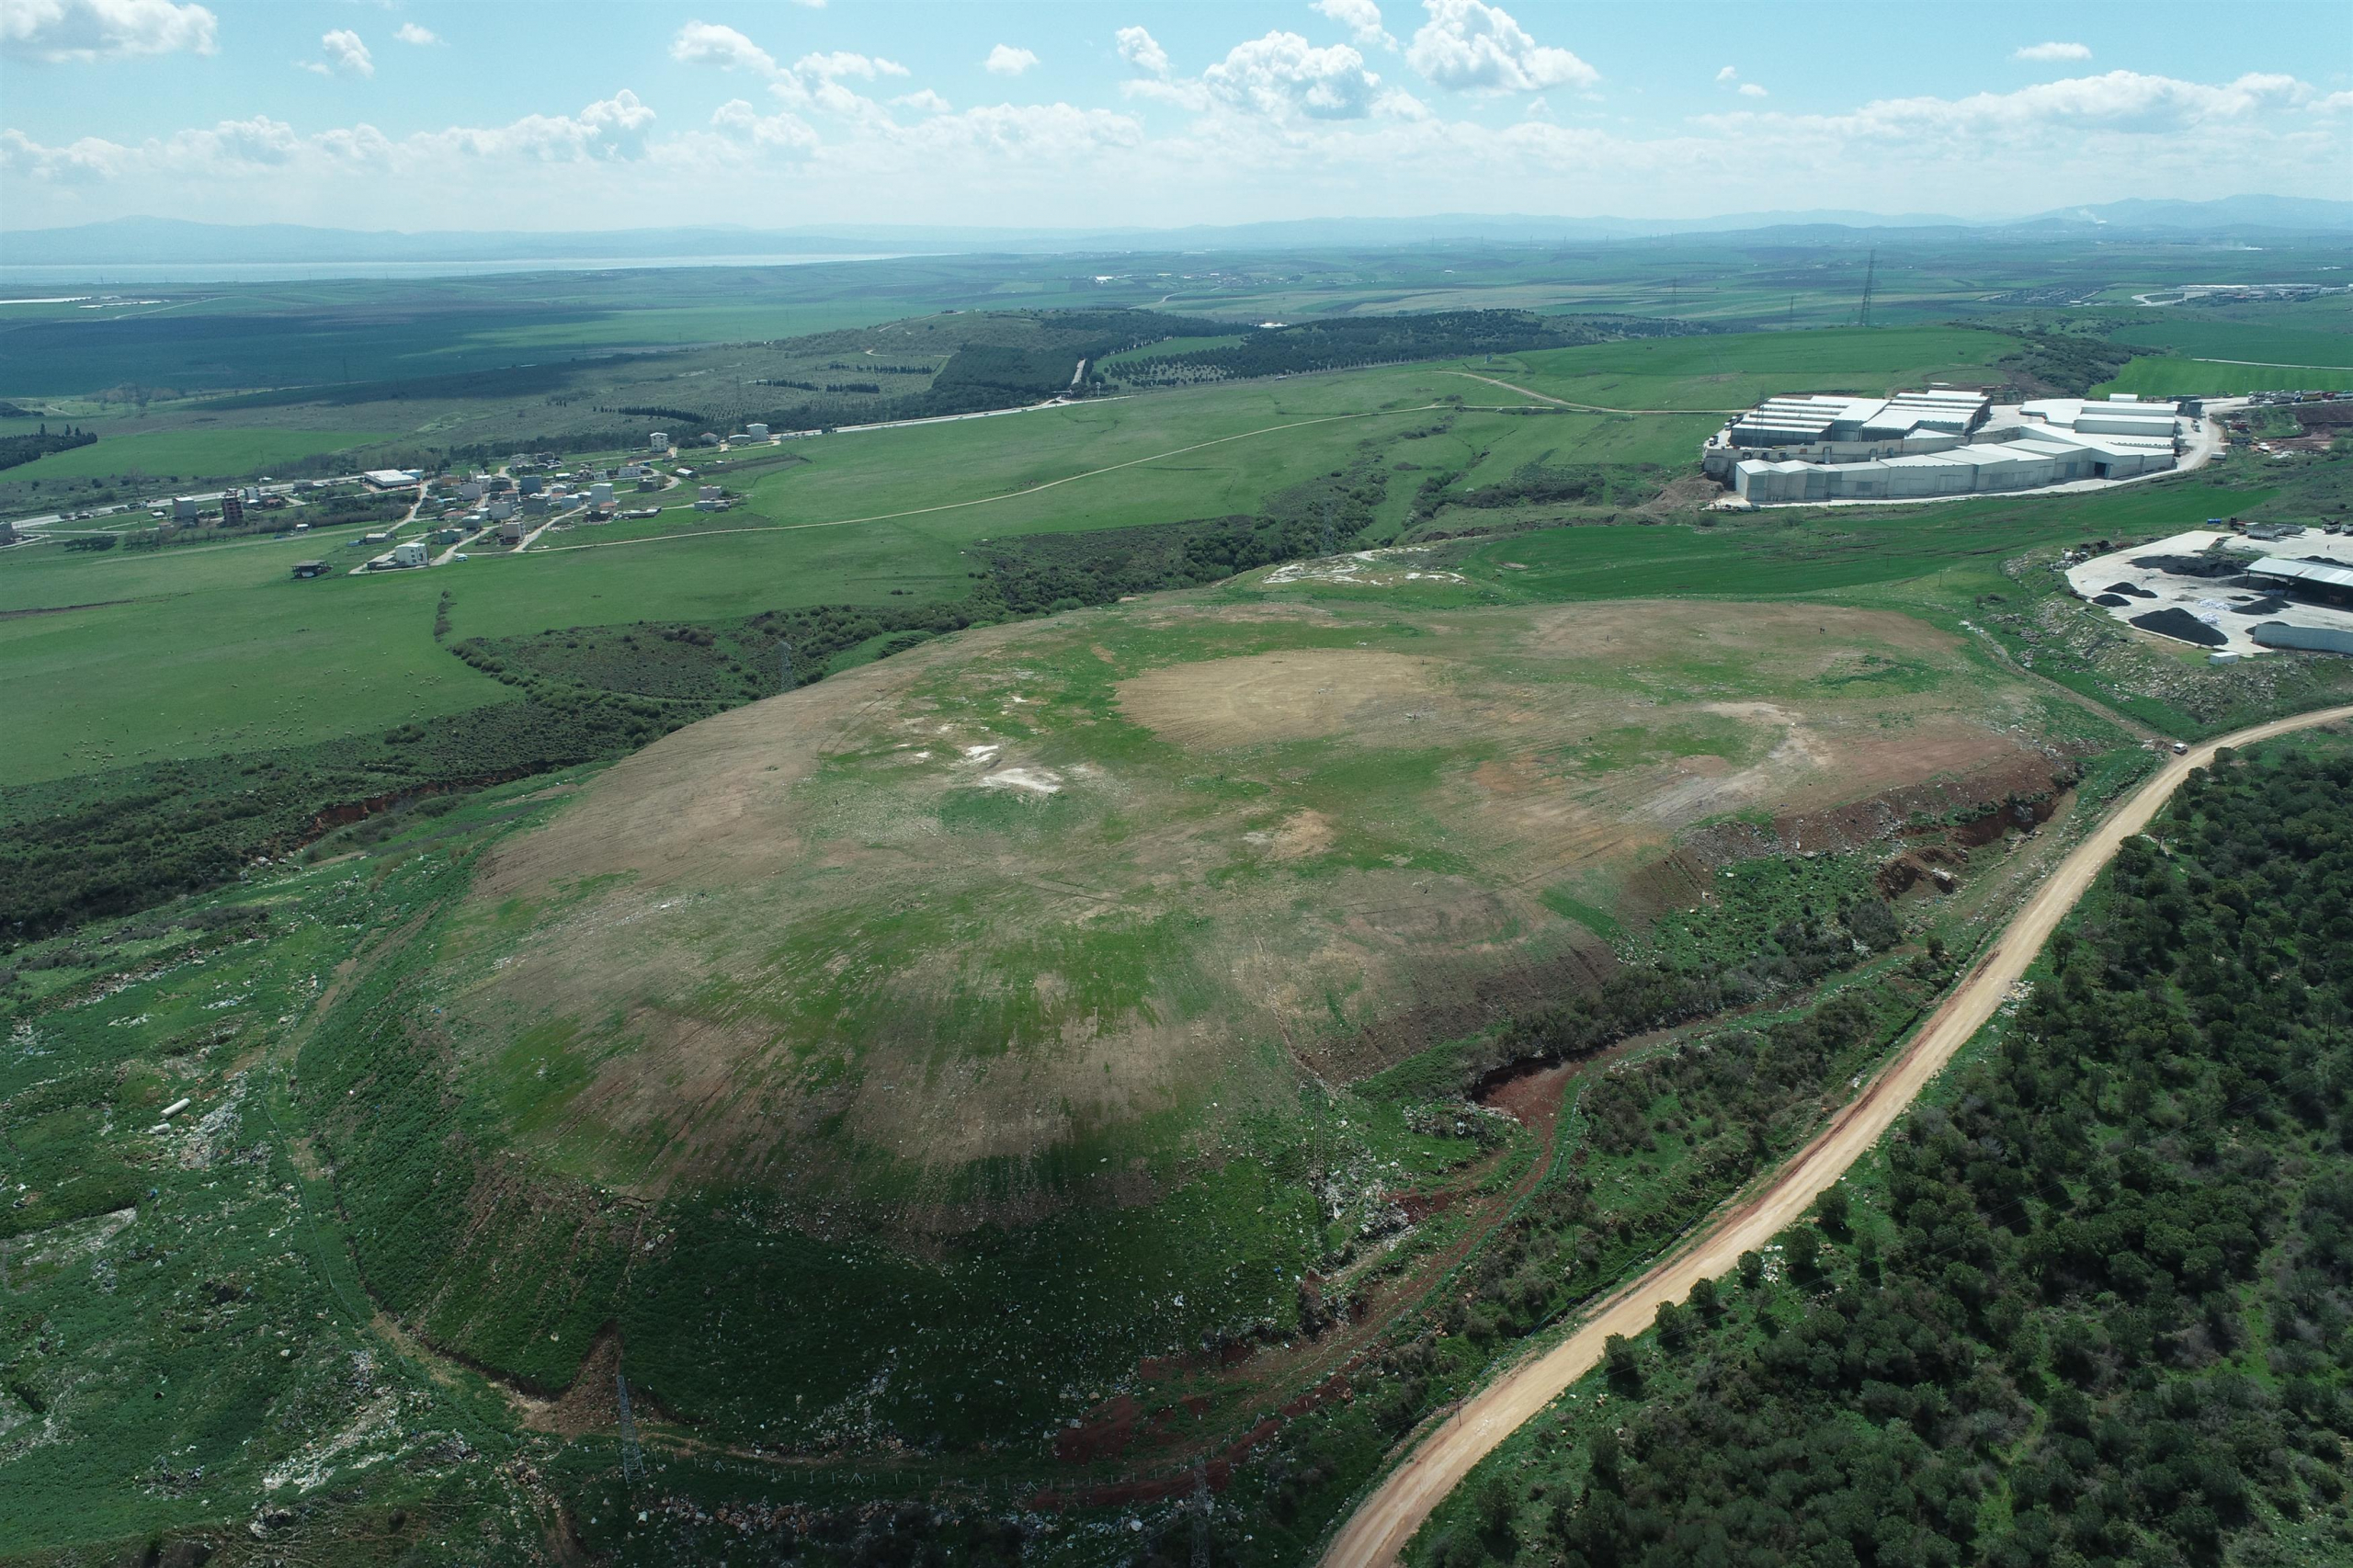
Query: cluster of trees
1035	573
2103	1310
16	449
2067	360
1536	485
111	842
681	416
1347	342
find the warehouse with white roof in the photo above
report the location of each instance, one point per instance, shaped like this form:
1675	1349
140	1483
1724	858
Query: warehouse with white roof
1942	442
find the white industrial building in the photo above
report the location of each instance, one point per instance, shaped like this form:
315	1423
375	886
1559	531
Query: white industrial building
1918	446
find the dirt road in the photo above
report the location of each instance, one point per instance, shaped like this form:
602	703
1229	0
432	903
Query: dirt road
1376	1534
1583	407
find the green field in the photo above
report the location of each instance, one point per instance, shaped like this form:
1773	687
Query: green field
2243	341
1719	375
185	456
2173	377
211	649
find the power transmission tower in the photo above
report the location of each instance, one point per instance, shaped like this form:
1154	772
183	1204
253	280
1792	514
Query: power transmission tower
1870	274
632	1461
784	653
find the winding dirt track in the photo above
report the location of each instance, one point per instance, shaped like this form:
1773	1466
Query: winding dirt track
1376	1534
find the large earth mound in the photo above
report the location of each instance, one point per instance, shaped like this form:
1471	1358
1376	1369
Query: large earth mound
948	939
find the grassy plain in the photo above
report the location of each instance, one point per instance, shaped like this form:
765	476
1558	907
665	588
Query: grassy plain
1726	374
2165	375
2241	341
210	650
188	455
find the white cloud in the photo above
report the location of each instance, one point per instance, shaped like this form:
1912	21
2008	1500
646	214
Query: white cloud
1005	60
2050	117
608	130
86	162
1181	94
1282	76
1751	90
842	63
2052	51
1729	73
345	50
1470	46
1288	130
1141	50
1361	17
707	44
409	32
781	132
103	29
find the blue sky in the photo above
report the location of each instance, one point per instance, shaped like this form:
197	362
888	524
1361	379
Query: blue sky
633	113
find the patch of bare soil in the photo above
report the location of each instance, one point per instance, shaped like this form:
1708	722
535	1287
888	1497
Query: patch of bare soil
1299	694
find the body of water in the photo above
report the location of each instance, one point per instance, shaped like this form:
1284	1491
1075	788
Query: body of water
18	279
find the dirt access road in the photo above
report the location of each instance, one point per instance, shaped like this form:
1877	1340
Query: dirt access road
1376	1534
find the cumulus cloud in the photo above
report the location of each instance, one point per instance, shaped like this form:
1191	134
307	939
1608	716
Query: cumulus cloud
1468	46
59	30
1005	60
1142	51
1751	90
1283	76
2049	113
1275	117
842	63
1729	73
345	52
781	132
2051	51
86	162
1361	17
608	130
707	44
409	32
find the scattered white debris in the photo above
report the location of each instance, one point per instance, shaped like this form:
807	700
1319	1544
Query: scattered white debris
1363	569
1037	780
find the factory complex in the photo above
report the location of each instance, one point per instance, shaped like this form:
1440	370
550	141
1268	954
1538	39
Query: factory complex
2234	594
1943	441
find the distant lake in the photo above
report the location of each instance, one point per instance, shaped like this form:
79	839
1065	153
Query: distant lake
18	276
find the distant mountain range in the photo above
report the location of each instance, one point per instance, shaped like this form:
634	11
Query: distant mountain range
158	241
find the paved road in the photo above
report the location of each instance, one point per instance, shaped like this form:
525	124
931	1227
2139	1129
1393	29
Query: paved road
1376	1534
